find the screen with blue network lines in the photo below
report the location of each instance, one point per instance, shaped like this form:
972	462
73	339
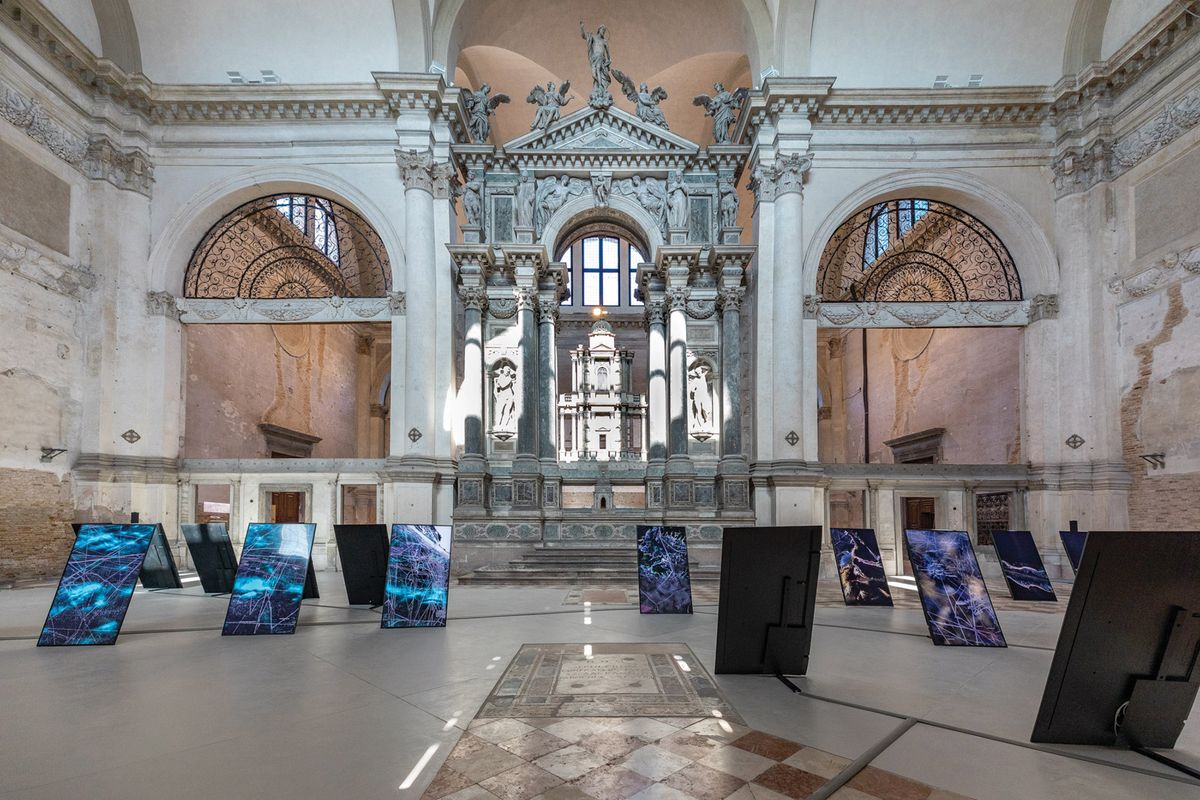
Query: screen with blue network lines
1022	566
269	583
954	597
664	581
96	585
418	577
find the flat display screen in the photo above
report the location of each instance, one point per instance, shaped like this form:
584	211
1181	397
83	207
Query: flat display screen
954	597
860	567
159	570
664	582
270	579
96	585
213	555
1022	566
417	590
1073	543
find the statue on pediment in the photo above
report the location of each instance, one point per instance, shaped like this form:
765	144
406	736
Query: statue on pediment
721	107
480	108
601	63
549	102
644	100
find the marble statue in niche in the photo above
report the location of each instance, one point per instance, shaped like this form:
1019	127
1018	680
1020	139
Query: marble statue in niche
504	399
472	198
601	64
721	107
549	102
526	190
480	108
601	188
677	201
729	202
700	400
645	101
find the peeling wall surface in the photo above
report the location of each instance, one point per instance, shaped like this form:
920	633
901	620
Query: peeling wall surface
299	377
964	380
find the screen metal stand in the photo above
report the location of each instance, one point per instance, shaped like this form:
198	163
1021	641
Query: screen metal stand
1170	762
788	683
1147	722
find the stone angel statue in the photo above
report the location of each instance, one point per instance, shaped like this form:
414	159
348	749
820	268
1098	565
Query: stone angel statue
721	107
645	100
480	108
548	102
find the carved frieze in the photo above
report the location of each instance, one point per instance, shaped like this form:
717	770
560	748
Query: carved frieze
1169	269
934	315
318	309
1176	118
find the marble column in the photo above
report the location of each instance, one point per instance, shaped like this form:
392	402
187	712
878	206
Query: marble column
657	400
790	390
474	301
527	420
677	371
547	377
731	369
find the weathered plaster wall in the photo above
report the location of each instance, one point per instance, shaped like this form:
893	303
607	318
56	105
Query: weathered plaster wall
300	377
964	380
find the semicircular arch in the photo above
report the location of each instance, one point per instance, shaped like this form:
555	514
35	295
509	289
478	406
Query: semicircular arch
620	211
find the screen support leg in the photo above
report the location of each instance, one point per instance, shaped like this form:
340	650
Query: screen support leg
1170	762
787	682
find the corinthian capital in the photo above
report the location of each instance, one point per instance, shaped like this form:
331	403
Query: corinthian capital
677	298
789	173
547	313
656	312
418	170
731	298
526	300
473	297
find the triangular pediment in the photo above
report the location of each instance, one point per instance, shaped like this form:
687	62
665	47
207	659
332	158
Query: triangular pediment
611	129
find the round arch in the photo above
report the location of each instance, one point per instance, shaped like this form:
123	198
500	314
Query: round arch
172	251
1021	234
620	210
759	33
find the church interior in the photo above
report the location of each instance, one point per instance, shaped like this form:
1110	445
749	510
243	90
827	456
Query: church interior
682	400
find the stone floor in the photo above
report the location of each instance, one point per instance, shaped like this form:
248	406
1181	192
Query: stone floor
343	709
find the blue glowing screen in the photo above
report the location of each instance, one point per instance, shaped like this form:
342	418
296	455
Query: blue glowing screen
270	579
418	577
860	567
664	583
1022	566
96	585
954	596
1073	543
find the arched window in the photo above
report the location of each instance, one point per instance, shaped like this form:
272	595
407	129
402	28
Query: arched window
916	250
289	246
602	264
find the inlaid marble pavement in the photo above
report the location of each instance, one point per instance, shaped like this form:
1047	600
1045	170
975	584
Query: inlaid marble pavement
643	721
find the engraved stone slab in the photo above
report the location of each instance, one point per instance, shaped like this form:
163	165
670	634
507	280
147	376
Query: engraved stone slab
606	674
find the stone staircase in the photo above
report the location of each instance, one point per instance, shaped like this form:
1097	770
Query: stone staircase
569	565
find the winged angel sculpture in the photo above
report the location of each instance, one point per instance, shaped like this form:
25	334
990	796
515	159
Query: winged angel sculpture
721	107
645	100
480	108
548	102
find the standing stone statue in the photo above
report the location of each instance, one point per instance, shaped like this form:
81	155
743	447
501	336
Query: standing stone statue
677	201
700	400
504	400
729	203
548	102
472	199
601	64
644	100
721	107
526	189
480	108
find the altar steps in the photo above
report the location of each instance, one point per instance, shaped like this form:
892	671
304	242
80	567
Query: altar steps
568	565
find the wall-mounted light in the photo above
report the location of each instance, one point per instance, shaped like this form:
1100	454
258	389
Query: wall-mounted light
49	453
1155	460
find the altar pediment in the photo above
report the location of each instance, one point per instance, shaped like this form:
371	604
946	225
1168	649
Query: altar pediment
608	131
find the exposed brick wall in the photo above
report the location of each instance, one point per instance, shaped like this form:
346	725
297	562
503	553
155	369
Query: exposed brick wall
36	513
1156	501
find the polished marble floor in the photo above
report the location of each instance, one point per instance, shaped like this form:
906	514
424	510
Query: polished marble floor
343	709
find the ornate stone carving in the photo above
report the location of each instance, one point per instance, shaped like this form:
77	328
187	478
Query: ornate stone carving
649	194
645	101
28	114
789	173
547	313
601	64
812	306
552	192
701	309
1078	169
1175	119
124	168
161	304
762	184
722	107
549	102
504	399
601	188
523	211
656	312
416	169
959	314
473	297
526	299
702	424
502	307
729	202
472	198
677	201
396	303
1043	306
677	298
480	108
731	298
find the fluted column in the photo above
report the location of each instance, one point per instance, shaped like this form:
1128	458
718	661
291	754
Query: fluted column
657	411
677	370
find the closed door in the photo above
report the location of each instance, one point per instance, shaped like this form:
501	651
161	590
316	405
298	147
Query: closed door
287	507
918	515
